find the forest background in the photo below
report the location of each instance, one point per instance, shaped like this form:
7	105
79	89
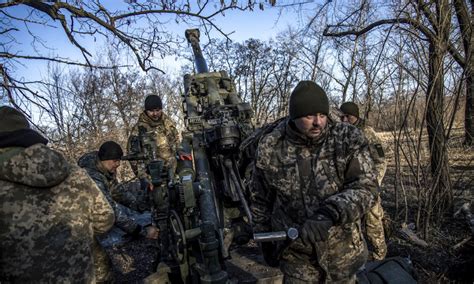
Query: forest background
80	71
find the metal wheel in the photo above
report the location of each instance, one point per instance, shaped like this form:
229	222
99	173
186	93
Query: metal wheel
178	238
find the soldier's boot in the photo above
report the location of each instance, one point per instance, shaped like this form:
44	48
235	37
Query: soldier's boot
375	231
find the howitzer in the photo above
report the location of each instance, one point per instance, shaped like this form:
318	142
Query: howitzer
208	185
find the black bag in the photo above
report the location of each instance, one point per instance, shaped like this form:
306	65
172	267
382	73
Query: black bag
392	270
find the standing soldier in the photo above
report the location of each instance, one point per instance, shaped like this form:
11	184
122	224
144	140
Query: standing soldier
50	210
157	133
373	219
157	127
102	168
316	175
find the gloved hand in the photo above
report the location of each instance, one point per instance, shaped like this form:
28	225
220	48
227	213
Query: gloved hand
316	229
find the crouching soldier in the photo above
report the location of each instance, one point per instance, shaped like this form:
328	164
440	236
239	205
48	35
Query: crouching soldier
102	168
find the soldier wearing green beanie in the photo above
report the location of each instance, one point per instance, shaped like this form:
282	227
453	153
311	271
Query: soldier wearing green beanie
15	130
316	175
308	98
350	112
51	210
373	219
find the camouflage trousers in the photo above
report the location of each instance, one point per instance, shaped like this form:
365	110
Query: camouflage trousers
297	269
375	231
102	266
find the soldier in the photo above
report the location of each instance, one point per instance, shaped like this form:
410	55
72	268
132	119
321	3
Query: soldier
50	209
158	132
102	167
157	126
316	175
373	219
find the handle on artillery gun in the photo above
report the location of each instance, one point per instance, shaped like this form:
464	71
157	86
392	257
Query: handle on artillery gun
291	234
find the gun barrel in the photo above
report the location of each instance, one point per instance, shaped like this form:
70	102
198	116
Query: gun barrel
291	234
192	35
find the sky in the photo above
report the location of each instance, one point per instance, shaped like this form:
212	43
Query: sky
243	25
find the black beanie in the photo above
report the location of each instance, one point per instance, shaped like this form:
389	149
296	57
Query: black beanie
308	98
110	151
15	129
153	102
350	108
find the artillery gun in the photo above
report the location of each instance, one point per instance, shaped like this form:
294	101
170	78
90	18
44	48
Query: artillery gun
207	205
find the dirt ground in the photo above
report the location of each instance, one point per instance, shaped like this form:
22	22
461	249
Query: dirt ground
440	261
447	258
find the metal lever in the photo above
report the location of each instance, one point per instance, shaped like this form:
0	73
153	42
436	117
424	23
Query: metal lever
291	234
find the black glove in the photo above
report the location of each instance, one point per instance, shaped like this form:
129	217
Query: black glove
316	229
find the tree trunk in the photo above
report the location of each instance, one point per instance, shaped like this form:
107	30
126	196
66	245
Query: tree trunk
466	21
469	107
441	196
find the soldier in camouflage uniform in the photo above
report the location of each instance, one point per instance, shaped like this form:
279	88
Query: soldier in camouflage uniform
101	167
315	175
373	219
50	210
156	128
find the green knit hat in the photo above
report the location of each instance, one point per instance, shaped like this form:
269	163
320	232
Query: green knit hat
12	119
308	98
350	108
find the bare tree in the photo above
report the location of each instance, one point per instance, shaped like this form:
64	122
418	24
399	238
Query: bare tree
432	22
140	27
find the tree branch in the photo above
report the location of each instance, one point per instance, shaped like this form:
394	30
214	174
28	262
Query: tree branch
58	60
427	32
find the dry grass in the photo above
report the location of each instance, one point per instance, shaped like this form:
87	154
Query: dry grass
441	262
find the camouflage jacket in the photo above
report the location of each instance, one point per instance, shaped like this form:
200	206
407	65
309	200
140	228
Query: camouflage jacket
294	177
105	182
376	149
50	211
166	137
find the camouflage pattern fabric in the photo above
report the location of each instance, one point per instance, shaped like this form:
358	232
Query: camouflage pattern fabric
166	136
375	231
50	212
376	149
105	181
102	264
374	218
123	215
293	177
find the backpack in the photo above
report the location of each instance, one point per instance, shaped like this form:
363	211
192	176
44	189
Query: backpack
393	270
248	147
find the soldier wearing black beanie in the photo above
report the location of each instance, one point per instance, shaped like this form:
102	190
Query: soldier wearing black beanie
153	102
110	151
308	98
